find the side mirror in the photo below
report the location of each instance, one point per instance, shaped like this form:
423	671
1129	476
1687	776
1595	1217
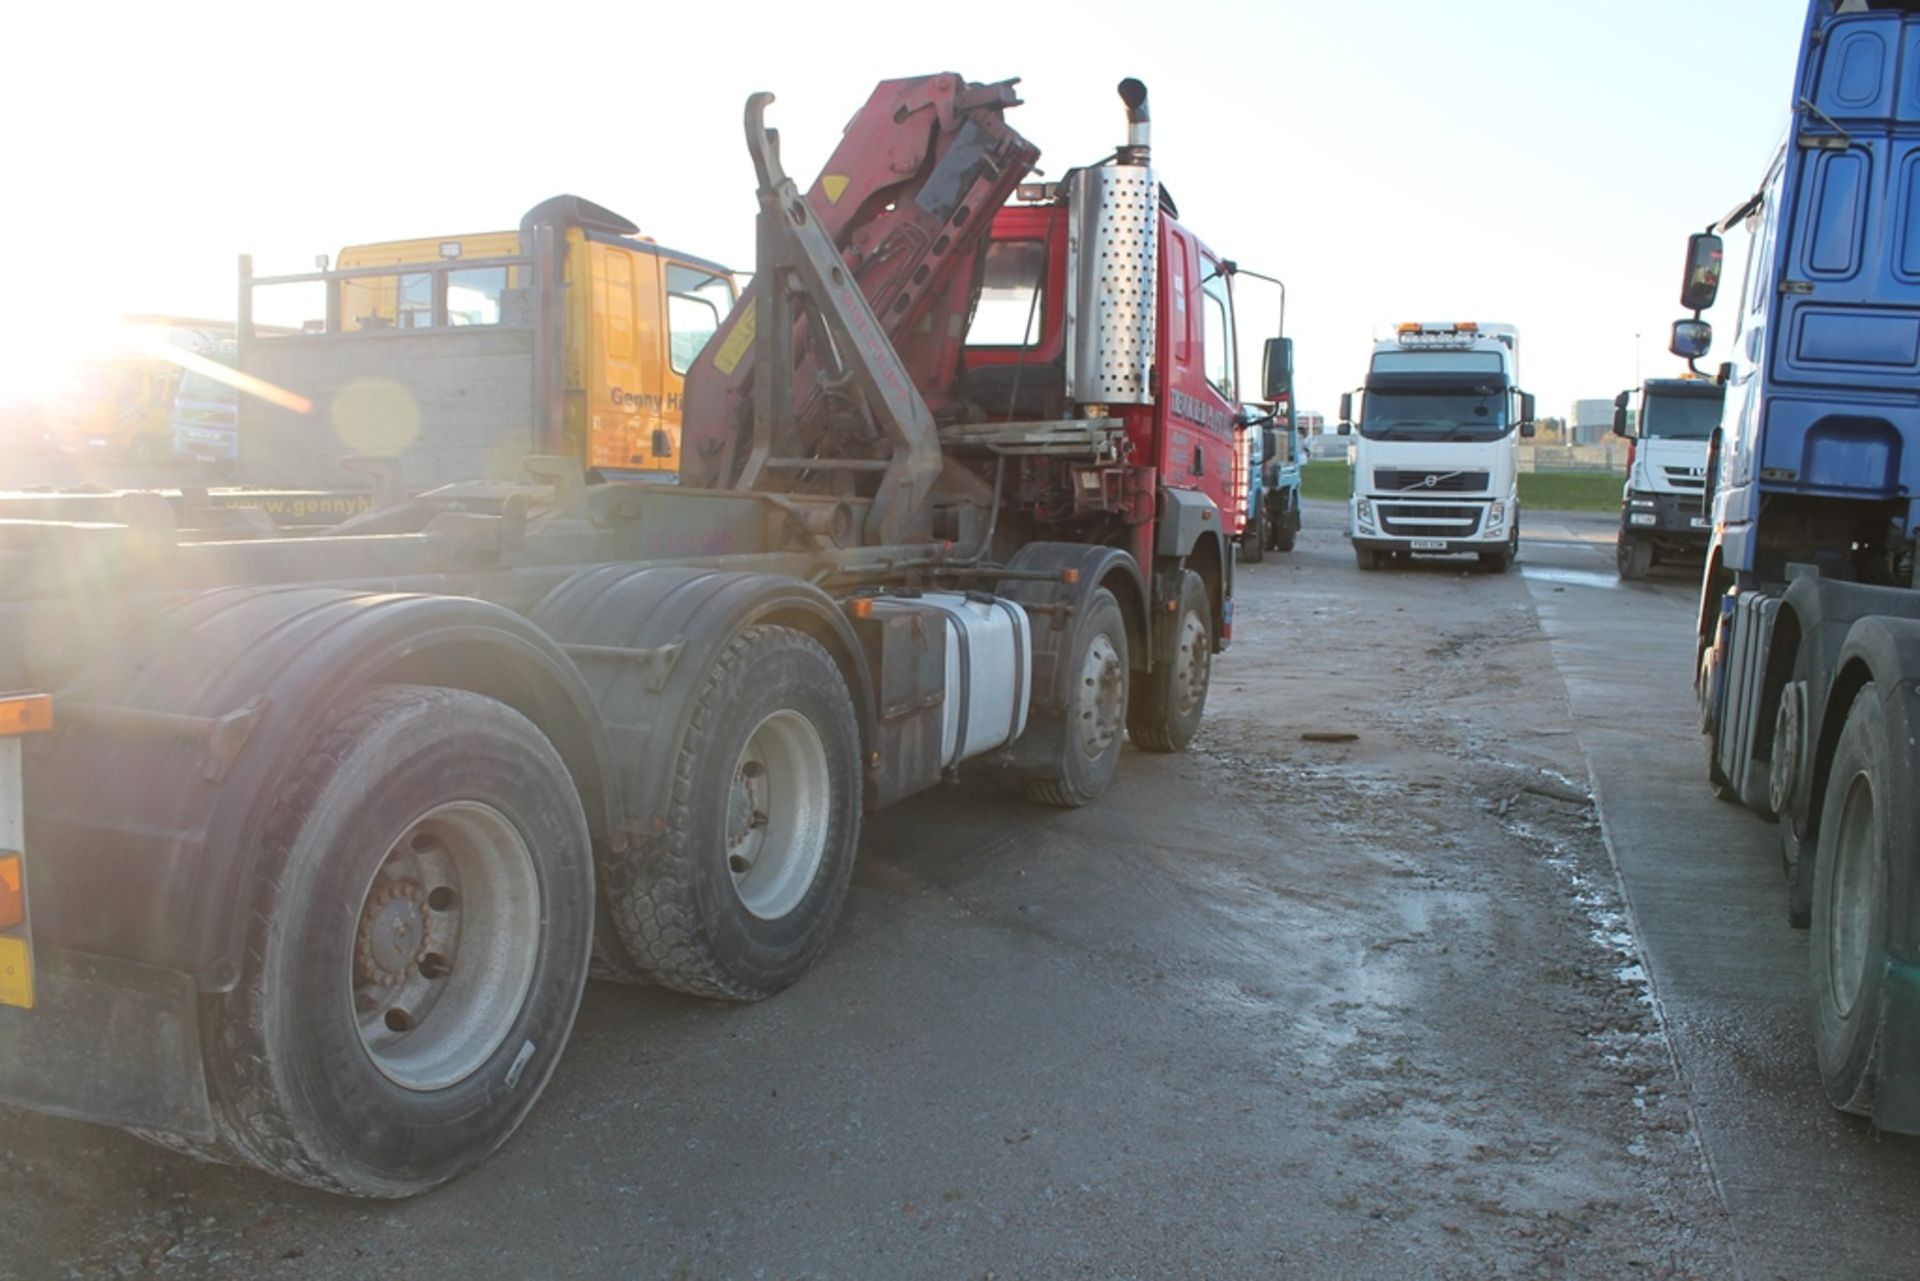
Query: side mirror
1527	431
1277	372
1346	410
1527	409
1620	413
1692	339
1346	429
1702	284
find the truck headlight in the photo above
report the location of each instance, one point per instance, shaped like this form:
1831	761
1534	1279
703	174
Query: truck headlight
1363	512
1496	515
1642	502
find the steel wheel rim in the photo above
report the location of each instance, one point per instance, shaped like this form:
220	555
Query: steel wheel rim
778	815
1101	697
1191	663
446	946
1850	897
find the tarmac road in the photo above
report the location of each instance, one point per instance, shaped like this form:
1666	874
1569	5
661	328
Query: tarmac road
1277	1007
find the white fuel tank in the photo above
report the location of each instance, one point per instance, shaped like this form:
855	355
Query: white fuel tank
989	681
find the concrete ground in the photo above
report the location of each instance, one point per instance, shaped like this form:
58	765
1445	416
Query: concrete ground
1365	985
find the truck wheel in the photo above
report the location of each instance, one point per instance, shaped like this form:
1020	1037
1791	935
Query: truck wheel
1367	559
1253	545
1096	717
1169	701
1496	562
1287	528
417	952
1633	557
738	896
1787	760
1864	824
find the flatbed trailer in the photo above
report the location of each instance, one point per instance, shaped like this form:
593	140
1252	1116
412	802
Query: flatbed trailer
308	843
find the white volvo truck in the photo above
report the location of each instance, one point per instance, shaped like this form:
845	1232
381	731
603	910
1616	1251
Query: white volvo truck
1434	450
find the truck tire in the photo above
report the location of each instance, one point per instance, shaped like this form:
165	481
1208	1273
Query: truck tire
1253	544
1096	715
1501	561
417	951
739	894
1169	701
1288	527
1367	559
1865	825
1632	557
1789	758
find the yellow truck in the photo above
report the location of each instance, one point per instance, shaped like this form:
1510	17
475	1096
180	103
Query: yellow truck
118	402
571	335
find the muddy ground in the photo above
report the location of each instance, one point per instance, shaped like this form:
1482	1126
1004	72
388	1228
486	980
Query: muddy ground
1367	1007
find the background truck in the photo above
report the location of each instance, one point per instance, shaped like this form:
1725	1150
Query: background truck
577	344
1271	448
1662	510
1434	456
119	403
1809	633
314	840
206	412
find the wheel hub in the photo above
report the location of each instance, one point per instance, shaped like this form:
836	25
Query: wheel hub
392	931
779	812
1850	910
1191	664
1101	700
446	945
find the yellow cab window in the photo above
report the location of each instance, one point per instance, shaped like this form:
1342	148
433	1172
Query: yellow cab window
697	301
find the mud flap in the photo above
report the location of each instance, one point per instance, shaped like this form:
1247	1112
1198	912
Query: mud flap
110	1041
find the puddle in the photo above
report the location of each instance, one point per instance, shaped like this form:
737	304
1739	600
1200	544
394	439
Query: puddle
1575	577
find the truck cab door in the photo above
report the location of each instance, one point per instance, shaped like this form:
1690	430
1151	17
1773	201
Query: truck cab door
1204	392
698	297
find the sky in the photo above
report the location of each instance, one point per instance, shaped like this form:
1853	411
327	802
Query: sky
1538	162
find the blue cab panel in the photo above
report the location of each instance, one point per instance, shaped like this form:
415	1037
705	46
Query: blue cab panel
1825	373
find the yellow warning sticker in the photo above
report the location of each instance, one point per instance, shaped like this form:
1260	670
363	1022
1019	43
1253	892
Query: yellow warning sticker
16	973
834	185
727	359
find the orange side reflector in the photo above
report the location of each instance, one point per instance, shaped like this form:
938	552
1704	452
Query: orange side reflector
861	607
13	898
25	714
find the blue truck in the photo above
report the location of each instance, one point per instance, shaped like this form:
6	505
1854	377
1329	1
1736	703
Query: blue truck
1272	456
1809	624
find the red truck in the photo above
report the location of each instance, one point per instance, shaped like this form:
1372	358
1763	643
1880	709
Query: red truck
308	842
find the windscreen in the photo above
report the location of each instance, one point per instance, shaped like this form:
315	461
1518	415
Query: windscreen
1677	416
1415	396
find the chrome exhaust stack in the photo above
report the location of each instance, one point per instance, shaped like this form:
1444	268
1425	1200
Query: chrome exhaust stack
1113	268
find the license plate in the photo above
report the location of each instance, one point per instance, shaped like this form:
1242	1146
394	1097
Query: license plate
1429	544
1700	522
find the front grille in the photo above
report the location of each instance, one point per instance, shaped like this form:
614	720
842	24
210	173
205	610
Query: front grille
1428	520
1679	478
1459	482
1690	506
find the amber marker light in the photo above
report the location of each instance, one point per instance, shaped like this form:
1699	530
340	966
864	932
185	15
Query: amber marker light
13	893
25	714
